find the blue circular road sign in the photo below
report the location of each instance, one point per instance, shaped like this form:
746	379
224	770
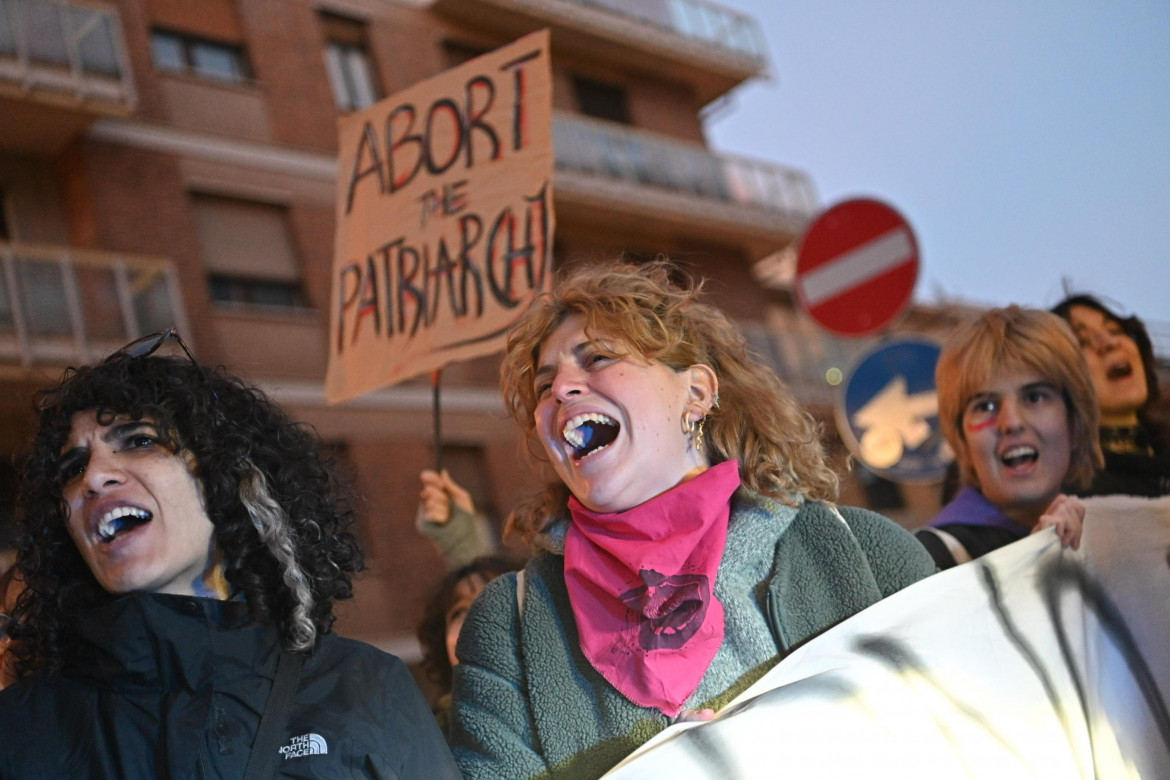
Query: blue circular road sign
887	411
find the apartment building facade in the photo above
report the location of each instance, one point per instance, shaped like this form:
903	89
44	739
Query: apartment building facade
166	162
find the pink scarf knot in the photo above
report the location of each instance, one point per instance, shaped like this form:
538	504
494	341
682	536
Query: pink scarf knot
642	587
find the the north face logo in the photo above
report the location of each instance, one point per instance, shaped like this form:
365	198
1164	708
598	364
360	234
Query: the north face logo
305	745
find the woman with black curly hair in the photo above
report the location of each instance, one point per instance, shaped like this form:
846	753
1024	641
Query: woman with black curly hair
183	546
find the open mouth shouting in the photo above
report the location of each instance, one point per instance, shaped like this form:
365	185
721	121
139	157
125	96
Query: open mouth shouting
1118	371
1019	455
589	433
121	520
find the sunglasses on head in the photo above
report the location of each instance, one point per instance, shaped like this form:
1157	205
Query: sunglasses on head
148	345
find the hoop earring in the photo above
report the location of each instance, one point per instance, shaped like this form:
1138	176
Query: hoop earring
688	425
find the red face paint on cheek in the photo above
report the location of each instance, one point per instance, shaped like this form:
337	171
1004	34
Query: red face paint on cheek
980	426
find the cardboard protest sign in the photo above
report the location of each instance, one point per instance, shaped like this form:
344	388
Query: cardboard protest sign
444	219
1030	662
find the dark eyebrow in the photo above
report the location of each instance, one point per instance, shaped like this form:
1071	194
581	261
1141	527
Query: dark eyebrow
118	430
112	433
541	374
71	457
1043	384
588	344
549	368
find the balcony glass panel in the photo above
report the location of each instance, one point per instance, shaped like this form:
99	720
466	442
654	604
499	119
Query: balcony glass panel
620	154
42	298
7	30
45	33
98	290
64	304
96	46
65	47
699	19
653	11
718	25
611	150
7	318
752	181
151	299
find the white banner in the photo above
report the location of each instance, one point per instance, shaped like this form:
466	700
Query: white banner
1031	662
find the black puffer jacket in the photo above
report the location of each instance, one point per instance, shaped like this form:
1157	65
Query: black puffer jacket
173	687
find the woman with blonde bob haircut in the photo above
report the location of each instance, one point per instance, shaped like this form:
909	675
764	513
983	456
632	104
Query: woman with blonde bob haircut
1017	405
688	543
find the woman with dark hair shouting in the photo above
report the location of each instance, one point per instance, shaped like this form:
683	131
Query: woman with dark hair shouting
183	546
1120	357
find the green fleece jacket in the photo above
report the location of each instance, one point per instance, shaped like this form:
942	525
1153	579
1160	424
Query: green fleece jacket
528	704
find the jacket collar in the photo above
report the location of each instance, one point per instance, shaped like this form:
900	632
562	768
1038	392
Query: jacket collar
552	538
155	641
970	507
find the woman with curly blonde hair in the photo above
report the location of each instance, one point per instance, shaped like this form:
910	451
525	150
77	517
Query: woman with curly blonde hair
688	544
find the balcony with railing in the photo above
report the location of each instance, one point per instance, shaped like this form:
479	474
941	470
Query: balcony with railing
641	170
697	20
60	305
710	46
62	65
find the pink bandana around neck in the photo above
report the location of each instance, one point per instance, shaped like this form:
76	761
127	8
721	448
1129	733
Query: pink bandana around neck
642	587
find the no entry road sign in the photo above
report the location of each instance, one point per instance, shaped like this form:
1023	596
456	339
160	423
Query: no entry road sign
857	267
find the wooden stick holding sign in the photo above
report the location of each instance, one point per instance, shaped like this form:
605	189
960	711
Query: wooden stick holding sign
436	411
444	219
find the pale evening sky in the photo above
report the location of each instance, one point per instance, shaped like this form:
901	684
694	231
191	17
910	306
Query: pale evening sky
1026	142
